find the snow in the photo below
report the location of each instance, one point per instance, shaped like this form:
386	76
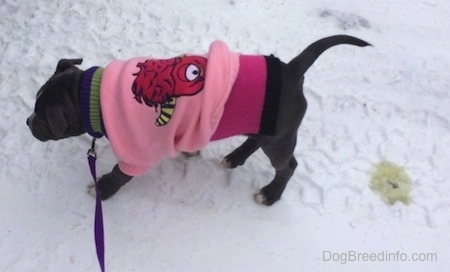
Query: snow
366	105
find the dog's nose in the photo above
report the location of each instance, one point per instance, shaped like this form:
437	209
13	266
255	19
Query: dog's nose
30	120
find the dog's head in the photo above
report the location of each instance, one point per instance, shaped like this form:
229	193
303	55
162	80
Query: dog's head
57	114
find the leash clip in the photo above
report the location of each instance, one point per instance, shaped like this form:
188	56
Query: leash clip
91	152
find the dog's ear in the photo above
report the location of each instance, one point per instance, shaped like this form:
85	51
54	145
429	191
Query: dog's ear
56	120
64	64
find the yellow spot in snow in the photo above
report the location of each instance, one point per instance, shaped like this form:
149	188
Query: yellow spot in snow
391	182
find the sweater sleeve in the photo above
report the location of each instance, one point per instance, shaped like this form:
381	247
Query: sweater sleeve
133	169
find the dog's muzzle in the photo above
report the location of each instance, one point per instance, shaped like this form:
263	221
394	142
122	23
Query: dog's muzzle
30	121
37	129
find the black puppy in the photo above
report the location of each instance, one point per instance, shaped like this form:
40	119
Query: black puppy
58	113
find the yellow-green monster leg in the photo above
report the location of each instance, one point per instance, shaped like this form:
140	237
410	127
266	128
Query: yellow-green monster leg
167	110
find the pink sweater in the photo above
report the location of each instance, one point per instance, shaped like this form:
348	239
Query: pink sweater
152	109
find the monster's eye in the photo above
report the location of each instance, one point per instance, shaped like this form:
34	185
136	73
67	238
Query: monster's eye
192	72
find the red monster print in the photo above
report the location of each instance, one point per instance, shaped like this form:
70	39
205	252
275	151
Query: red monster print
160	82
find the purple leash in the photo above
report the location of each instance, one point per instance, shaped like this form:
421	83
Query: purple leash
98	224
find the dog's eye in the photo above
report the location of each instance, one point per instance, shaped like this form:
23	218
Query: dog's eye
192	72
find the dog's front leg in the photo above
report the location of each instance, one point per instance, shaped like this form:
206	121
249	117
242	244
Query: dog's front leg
110	183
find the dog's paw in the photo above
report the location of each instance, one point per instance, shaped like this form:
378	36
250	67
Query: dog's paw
232	161
264	199
259	198
107	187
227	164
91	190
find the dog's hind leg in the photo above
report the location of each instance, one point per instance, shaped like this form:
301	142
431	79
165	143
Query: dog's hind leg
282	159
241	154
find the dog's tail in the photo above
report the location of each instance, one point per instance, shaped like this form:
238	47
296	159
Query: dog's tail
300	64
